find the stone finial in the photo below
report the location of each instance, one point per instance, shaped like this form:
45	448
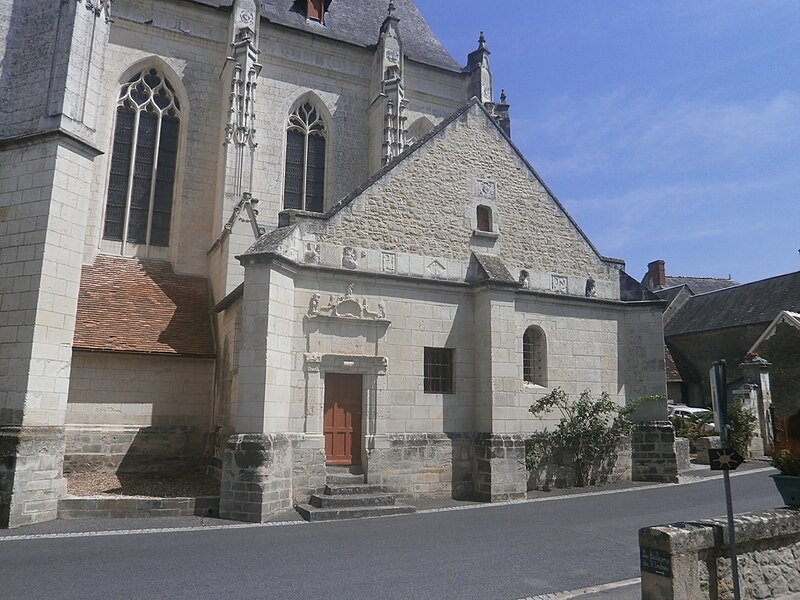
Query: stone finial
482	42
503	97
392	7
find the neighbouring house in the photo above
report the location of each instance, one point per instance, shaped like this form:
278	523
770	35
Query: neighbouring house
731	323
675	290
265	239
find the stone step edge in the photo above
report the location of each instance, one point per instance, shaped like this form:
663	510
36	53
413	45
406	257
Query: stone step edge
353	488
311	513
351	500
91	507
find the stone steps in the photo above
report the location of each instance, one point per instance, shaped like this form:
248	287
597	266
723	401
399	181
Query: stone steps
346	496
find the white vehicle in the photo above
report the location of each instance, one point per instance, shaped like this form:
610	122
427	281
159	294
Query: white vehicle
696	414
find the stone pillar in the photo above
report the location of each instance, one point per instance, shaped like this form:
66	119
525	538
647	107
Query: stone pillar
500	472
258	460
653	452
757	370
256	477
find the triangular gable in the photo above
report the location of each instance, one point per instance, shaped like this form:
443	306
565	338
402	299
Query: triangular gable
420	202
785	316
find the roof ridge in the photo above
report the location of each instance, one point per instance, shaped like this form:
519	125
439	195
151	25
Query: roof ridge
741	285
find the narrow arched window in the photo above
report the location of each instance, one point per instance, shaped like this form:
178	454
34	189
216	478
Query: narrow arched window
304	187
143	161
484	218
534	356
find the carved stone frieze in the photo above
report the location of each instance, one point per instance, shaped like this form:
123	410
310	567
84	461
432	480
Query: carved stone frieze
389	262
347	306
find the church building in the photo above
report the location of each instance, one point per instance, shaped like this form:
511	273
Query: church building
271	240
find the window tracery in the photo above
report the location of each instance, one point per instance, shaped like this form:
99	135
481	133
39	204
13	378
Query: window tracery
304	184
143	161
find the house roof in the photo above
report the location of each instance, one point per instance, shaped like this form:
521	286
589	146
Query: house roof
358	22
785	316
745	304
699	285
140	305
668	294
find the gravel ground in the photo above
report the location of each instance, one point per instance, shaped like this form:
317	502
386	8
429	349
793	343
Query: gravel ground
157	486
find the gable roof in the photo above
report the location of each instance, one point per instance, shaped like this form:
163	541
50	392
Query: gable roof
141	305
788	317
699	285
746	304
358	22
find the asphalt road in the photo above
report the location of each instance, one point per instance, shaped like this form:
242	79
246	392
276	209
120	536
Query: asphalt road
495	552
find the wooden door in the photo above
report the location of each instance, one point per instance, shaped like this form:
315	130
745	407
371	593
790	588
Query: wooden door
342	425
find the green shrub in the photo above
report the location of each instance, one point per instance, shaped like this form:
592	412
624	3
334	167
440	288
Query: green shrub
743	427
589	430
787	461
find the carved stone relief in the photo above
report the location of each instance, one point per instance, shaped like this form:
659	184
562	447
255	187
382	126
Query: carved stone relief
485	189
389	262
558	284
591	290
312	253
349	258
347	306
525	280
436	269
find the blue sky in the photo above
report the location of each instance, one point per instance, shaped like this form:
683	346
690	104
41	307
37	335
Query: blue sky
668	129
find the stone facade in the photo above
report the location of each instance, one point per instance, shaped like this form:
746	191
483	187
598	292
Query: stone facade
397	261
691	561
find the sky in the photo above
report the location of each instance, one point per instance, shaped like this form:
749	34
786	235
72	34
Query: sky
668	129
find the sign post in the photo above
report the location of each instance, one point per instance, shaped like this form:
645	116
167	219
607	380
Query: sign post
725	459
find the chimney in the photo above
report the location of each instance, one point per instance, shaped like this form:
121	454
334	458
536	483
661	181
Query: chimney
656	275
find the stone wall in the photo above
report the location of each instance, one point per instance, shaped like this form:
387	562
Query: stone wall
556	469
133	414
691	561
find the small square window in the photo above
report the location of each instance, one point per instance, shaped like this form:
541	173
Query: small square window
438	377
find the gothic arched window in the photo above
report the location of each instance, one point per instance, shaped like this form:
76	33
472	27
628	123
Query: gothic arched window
534	356
143	161
304	186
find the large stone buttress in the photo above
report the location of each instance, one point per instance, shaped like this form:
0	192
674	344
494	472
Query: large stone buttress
47	134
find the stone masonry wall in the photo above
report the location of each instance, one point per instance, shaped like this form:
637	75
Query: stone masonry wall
396	214
256	477
653	452
698	557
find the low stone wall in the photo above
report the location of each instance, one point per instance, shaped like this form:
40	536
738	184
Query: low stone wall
157	449
703	445
691	561
465	466
416	465
555	469
137	508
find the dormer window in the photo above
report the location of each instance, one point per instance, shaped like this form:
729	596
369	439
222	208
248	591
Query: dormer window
316	10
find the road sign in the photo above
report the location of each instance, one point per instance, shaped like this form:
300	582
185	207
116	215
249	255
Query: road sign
724	459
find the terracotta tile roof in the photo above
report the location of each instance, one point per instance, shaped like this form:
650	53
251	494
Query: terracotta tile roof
140	305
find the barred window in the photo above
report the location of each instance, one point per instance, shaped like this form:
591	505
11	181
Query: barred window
438	376
534	356
304	185
143	161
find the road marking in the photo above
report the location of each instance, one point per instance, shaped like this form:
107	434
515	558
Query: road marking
595	589
80	534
